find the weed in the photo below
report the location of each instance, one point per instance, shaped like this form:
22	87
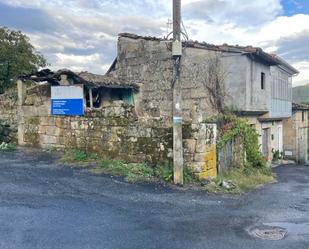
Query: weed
277	155
132	172
165	172
77	156
7	146
241	180
51	149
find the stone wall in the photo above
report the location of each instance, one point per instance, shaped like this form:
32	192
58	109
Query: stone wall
295	137
8	108
115	132
8	117
148	63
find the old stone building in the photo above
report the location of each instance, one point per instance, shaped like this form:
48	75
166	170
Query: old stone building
257	85
296	134
111	125
127	113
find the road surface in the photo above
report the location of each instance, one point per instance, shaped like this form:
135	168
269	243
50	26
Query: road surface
46	206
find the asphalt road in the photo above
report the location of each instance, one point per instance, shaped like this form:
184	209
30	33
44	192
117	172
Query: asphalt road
44	206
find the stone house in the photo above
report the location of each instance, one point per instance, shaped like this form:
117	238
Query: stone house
127	112
111	124
258	85
296	137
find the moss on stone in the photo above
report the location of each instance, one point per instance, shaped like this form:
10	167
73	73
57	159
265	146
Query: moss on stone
33	121
31	135
187	131
32	138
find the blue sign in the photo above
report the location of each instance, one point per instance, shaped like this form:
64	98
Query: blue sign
72	107
67	100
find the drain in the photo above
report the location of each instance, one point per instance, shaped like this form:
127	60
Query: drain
268	232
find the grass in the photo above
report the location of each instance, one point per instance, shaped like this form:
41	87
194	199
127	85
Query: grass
139	172
78	157
7	146
241	180
131	172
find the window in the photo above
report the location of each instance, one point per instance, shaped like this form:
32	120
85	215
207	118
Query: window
126	95
106	96
262	81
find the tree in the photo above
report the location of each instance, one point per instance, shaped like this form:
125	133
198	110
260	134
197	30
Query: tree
17	57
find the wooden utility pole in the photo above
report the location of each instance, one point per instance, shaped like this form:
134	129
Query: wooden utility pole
177	99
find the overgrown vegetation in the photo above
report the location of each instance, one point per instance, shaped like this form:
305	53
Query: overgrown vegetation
239	180
131	172
7	146
232	127
78	157
140	172
252	169
277	155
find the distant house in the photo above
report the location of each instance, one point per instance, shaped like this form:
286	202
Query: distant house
296	134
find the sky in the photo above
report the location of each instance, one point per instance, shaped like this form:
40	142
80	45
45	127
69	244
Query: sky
82	34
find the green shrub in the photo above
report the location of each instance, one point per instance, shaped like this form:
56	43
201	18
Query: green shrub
277	155
233	127
166	173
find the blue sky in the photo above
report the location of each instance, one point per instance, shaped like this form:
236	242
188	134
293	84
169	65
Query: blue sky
82	34
292	7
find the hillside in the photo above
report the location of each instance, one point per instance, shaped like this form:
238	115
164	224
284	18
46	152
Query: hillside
301	94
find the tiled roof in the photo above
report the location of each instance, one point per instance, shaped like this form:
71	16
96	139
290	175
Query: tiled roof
267	58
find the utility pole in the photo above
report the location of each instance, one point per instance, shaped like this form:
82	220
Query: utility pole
177	99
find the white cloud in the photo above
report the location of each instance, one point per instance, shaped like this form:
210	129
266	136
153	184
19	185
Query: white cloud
283	26
286	36
79	63
303	77
240	12
84	32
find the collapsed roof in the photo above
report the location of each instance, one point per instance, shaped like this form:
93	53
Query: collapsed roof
85	78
